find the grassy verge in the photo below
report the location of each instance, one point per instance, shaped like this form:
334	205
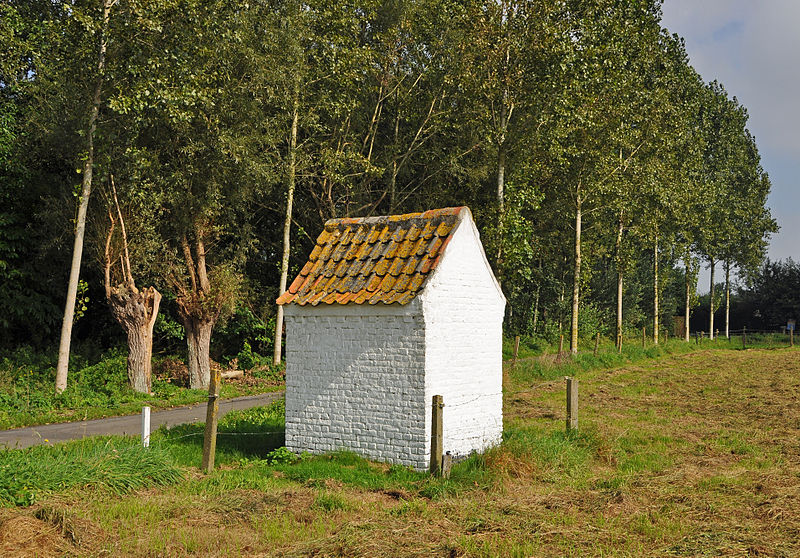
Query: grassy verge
94	391
115	464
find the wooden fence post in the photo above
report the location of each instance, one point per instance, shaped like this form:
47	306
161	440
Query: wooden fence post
436	435
791	337
644	337
596	344
210	436
572	404
516	351
447	465
744	337
561	347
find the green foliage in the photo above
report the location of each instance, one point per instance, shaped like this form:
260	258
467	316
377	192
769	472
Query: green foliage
772	296
168	329
281	456
81	301
401	107
244	335
548	367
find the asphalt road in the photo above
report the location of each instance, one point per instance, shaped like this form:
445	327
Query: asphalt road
126	425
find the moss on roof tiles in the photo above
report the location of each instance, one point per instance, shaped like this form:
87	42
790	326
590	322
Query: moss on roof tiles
374	259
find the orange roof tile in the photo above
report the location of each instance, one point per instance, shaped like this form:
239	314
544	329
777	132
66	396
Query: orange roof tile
374	259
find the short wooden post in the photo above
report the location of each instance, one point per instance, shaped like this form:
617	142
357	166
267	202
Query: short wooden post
744	337
791	337
516	351
210	436
436	435
644	337
447	465
561	347
596	344
716	335
572	404
696	337
146	427
666	335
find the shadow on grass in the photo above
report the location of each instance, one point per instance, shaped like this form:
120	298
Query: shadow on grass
249	434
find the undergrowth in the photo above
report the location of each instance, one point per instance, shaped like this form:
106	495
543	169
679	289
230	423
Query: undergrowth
27	394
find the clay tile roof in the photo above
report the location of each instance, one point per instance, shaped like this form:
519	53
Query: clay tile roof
374	260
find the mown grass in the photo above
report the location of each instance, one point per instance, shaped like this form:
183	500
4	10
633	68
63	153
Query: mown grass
27	394
686	455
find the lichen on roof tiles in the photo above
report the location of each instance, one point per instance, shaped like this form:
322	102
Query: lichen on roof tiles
374	259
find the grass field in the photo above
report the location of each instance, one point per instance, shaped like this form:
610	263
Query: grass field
693	454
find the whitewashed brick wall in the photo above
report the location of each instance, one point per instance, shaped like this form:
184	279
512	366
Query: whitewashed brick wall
355	380
463	310
362	377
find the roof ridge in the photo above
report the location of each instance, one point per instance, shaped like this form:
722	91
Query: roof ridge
458	211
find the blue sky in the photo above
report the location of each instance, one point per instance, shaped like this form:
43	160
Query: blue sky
753	49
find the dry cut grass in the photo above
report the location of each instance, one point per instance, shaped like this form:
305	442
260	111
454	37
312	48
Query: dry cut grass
693	455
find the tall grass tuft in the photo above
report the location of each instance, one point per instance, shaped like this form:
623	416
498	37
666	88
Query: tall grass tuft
111	463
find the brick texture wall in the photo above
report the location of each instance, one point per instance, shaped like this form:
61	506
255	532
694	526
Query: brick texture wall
355	380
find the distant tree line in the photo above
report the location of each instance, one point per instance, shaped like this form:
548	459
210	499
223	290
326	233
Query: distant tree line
765	300
177	158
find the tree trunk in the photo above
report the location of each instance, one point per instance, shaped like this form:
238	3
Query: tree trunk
501	171
618	250
198	339
576	281
727	300
136	312
80	225
711	313
140	358
688	299
287	224
395	168
618	341
501	180
656	297
199	310
536	308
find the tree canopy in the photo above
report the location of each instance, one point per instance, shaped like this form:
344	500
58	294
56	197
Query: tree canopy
590	151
